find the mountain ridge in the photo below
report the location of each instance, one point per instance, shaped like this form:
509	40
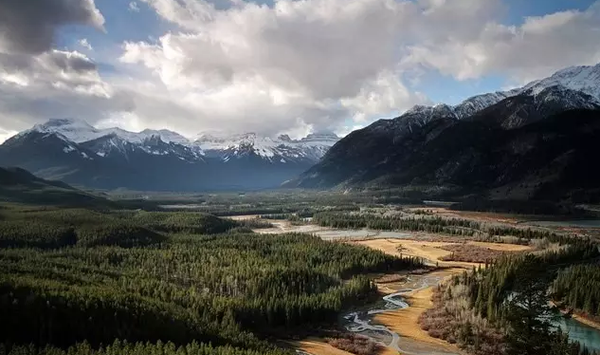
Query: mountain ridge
311	147
584	79
76	152
402	151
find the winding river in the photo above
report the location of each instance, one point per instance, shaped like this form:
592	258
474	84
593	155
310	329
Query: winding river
360	322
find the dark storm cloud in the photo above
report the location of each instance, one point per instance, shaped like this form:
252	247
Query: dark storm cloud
28	26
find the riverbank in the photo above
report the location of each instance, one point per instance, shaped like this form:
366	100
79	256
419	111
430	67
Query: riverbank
578	316
404	321
416	291
393	322
580	328
584	320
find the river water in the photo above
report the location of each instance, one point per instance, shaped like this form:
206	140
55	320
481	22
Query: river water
582	333
360	322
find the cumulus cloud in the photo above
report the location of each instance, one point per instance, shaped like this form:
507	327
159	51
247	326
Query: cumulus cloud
327	47
282	66
291	66
385	95
29	26
60	69
536	48
54	83
38	81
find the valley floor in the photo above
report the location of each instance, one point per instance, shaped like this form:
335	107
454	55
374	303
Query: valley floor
429	246
404	322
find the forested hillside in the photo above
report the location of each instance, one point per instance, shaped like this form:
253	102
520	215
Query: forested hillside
578	287
504	308
18	185
69	276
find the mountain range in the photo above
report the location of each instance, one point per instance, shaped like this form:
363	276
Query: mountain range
73	151
533	142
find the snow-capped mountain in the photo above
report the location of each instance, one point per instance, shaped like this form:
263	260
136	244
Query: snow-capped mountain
108	141
76	152
113	145
282	149
80	131
585	79
579	78
543	130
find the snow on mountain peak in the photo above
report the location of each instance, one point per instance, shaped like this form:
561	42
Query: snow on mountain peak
578	78
80	131
73	129
62	122
312	147
284	138
580	73
166	136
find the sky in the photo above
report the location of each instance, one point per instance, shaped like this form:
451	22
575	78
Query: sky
274	66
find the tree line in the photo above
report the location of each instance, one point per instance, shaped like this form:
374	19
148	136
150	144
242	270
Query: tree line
435	224
451	226
141	348
50	228
578	287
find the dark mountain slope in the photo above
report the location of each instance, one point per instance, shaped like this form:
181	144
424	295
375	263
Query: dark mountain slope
523	162
365	154
49	155
551	158
19	185
388	152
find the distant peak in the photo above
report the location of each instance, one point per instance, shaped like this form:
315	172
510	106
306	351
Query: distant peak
574	70
151	132
64	122
285	138
153	139
585	79
417	108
